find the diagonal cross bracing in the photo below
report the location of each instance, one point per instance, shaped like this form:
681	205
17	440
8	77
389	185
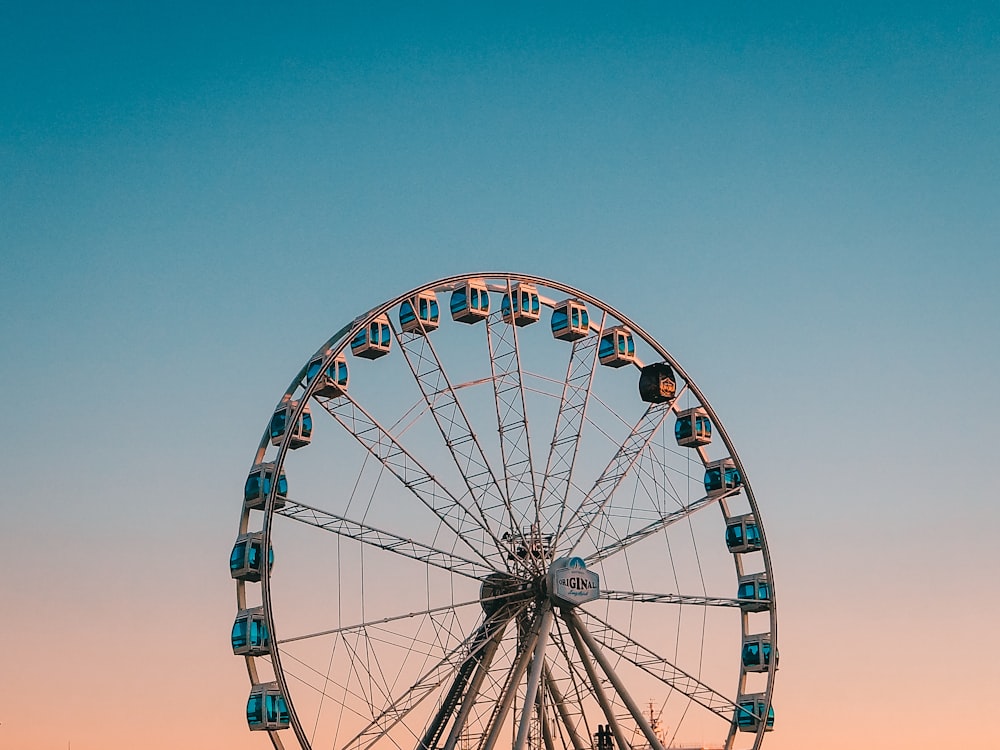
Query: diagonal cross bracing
512	421
385	540
568	430
617	469
471	726
623	645
455	428
639	596
411	473
660	524
468	650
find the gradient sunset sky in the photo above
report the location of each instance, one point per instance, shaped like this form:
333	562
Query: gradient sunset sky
803	206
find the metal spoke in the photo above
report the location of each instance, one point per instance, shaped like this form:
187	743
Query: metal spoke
472	694
617	469
512	420
385	540
702	601
568	429
397	710
412	474
380	621
453	423
657	526
623	645
461	686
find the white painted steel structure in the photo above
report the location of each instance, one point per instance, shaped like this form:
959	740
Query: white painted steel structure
488	538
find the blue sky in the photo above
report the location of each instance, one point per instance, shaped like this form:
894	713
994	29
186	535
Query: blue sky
801	204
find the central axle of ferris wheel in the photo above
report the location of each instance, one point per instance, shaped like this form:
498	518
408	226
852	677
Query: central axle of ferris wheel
565	585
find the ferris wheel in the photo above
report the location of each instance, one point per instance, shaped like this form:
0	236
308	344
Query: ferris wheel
494	512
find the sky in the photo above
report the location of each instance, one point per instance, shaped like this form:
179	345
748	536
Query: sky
800	204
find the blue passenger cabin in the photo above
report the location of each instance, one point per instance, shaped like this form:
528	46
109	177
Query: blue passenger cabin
373	340
258	487
522	306
754	592
420	314
722	476
332	380
470	303
756	655
301	432
750	713
693	428
247	557
743	534
570	320
657	384
266	708
617	347
249	635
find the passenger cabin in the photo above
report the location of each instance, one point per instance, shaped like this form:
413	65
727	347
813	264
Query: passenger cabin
332	380
258	487
693	428
657	384
301	432
374	340
249	636
246	559
756	655
570	320
754	592
266	708
470	303
420	314
722	476
617	347
521	307
743	534
750	713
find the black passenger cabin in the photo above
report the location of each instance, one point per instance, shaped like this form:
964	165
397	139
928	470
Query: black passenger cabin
657	384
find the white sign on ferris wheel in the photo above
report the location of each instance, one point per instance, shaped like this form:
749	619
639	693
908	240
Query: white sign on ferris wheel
571	584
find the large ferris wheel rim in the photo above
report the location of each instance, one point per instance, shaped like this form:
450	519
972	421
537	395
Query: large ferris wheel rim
339	342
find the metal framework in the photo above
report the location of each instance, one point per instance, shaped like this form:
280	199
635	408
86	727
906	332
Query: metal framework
493	540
